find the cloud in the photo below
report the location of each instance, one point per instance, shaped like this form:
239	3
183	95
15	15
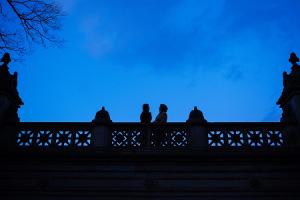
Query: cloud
234	73
174	34
70	5
96	41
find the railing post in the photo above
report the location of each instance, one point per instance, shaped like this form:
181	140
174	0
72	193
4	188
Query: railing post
148	132
101	130
8	120
199	134
101	136
199	139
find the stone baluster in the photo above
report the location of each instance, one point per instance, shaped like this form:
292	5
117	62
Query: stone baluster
198	129
101	129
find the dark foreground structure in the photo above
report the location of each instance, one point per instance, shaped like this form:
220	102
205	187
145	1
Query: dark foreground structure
193	160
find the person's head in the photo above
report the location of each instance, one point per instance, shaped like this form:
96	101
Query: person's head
146	107
163	108
293	58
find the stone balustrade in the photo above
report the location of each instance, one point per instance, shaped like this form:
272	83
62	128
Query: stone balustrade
140	137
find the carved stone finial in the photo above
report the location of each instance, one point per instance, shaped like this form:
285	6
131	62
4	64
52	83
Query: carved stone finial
196	116
102	116
5	58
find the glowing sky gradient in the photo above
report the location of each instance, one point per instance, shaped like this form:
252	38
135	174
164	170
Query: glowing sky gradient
227	57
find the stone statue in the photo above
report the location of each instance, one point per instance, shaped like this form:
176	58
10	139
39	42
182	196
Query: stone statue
102	116
292	80
293	60
10	100
146	115
288	116
291	86
196	116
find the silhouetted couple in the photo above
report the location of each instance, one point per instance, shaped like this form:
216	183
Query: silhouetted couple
161	118
146	115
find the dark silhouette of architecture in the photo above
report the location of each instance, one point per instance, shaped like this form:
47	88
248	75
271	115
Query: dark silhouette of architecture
8	81
291	82
102	116
196	116
10	102
190	160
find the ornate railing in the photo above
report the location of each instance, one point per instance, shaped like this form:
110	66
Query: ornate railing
246	135
55	135
138	136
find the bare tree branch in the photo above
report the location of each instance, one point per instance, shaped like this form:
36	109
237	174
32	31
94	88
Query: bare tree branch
37	20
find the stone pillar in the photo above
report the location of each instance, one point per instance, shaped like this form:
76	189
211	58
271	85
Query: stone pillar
197	122
199	136
291	117
101	137
101	129
8	121
4	105
293	103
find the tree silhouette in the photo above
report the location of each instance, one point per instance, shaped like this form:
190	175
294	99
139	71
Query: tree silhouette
28	22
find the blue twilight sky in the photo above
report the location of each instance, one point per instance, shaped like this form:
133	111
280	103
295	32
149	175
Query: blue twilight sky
227	57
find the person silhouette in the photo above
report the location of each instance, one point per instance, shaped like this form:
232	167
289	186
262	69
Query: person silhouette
146	115
161	119
145	119
162	116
